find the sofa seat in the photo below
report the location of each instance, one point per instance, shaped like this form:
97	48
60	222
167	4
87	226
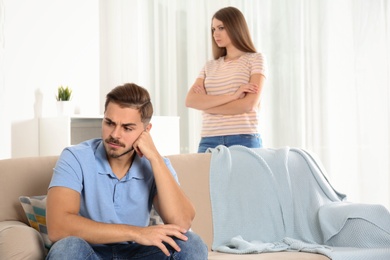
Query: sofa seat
20	241
268	256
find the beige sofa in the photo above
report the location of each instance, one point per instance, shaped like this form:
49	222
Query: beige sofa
31	176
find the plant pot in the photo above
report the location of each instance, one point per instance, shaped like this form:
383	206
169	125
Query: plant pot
64	108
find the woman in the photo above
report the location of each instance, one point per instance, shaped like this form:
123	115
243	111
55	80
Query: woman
228	88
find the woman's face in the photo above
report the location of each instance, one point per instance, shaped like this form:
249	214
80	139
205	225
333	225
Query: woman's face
220	35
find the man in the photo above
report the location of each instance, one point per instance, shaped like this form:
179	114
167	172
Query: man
102	191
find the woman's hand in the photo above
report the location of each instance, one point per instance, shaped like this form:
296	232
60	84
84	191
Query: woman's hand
246	88
199	89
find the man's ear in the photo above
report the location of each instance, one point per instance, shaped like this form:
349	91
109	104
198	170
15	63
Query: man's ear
148	127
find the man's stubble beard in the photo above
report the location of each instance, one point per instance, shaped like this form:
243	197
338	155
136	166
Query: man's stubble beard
113	155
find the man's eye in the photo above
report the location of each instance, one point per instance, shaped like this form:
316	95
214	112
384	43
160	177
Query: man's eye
128	129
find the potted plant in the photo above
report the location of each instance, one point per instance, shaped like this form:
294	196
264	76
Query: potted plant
64	106
64	93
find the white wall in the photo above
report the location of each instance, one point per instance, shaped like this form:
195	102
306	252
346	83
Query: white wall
43	45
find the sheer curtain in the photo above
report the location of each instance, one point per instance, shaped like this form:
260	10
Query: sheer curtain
3	114
356	73
328	84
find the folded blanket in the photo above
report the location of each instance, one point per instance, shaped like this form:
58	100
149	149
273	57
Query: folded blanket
367	224
237	245
266	200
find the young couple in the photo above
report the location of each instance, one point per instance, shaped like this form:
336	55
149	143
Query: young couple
102	190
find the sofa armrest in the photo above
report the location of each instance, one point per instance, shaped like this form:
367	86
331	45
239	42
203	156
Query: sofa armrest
20	241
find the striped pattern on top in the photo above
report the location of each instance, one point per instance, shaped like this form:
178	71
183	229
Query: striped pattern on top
224	78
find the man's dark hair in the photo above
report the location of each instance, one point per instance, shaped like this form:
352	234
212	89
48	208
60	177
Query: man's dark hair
132	96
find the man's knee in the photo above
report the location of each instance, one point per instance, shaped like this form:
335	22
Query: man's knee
194	247
70	248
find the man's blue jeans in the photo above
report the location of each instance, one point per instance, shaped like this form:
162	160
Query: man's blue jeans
74	248
248	140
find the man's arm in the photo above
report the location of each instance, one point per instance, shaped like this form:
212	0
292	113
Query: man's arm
63	206
171	203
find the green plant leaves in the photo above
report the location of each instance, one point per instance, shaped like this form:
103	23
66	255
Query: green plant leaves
64	93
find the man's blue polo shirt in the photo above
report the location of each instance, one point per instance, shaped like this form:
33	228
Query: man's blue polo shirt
104	198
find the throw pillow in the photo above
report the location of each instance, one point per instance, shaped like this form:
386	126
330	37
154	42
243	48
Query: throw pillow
155	218
35	209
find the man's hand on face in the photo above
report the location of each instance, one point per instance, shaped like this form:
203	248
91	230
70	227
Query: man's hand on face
158	234
144	146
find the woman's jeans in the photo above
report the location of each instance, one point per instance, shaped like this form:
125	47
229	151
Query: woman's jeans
248	140
74	248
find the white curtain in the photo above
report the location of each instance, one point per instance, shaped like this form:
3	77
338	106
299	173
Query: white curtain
328	84
3	115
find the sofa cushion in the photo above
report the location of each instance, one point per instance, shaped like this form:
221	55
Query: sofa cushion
35	210
155	218
19	241
267	256
193	173
23	177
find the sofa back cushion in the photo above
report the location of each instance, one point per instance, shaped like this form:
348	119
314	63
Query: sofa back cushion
193	173
31	177
23	177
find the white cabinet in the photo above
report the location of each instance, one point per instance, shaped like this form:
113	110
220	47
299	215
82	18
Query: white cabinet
56	133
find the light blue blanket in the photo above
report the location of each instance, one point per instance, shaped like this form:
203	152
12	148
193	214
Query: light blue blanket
266	200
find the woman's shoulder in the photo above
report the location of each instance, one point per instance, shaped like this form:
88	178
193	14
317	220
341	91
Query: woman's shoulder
214	62
255	55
